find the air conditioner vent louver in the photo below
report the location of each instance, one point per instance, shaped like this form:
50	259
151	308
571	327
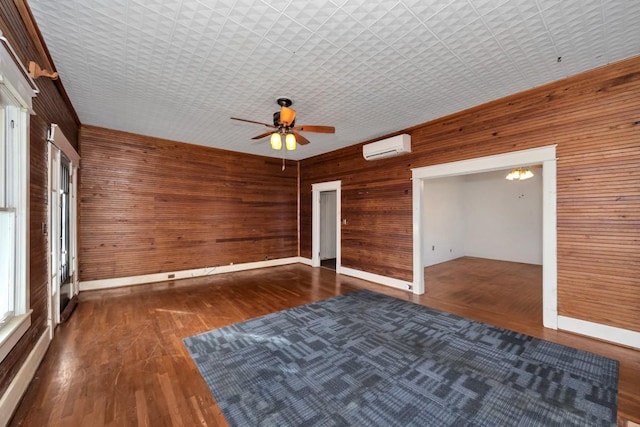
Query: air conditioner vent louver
394	146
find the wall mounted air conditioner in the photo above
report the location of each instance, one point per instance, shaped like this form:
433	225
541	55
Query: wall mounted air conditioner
389	147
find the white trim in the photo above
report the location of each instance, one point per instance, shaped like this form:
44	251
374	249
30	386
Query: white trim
542	155
14	81
376	278
59	140
487	164
316	189
11	333
305	261
12	396
600	331
58	147
53	235
20	83
418	264
117	282
549	245
50	277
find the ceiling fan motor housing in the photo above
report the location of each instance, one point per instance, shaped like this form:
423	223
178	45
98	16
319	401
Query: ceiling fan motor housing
276	120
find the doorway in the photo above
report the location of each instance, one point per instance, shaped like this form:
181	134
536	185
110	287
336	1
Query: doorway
328	229
325	225
545	156
63	233
62	220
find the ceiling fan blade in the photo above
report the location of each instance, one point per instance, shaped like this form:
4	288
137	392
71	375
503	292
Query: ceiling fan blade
319	129
301	139
253	121
262	135
287	116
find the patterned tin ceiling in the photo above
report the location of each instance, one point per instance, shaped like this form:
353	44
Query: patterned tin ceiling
179	69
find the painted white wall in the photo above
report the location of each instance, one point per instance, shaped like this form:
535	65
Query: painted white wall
503	218
327	224
482	215
444	219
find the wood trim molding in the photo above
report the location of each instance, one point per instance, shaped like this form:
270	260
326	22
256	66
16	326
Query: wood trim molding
92	285
11	398
376	278
602	332
57	138
545	155
316	189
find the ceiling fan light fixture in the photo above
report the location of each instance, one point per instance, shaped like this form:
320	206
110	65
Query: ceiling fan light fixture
287	116
276	141
526	174
290	141
519	174
284	130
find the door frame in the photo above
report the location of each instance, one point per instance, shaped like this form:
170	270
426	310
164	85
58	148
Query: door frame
59	145
327	219
316	189
543	155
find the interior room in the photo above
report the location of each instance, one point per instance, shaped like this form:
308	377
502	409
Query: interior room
484	225
161	183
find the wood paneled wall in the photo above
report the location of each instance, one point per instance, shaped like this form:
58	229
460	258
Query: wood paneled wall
149	205
50	107
594	118
376	204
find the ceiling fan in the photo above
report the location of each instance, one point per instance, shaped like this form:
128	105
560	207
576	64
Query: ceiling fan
284	127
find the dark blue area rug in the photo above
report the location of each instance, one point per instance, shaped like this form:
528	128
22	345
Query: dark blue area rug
365	359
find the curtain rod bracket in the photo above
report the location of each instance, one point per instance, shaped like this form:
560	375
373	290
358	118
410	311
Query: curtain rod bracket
35	72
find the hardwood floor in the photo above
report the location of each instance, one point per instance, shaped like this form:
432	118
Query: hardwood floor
120	360
511	289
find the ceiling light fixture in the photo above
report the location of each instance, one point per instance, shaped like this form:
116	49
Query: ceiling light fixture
285	129
519	174
276	141
290	141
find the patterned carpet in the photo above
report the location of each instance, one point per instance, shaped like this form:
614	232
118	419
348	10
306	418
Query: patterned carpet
365	359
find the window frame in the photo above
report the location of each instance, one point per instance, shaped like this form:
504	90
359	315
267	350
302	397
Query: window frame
18	89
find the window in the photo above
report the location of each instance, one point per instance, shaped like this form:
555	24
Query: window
15	104
12	209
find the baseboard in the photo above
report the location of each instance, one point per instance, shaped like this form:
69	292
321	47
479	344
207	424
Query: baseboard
603	332
92	285
11	398
305	261
376	278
